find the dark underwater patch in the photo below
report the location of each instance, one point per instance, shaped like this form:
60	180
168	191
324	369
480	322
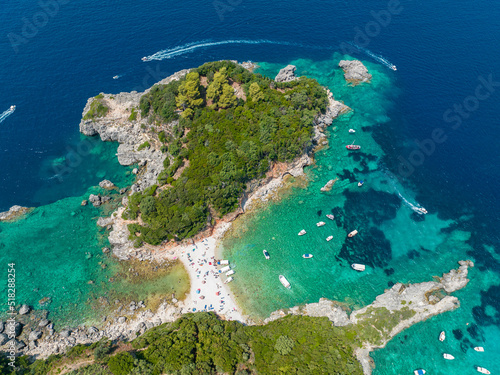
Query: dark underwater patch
458	334
370	248
389	271
412	254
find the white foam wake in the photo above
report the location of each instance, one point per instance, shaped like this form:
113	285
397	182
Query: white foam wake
6	114
415	207
190	47
374	56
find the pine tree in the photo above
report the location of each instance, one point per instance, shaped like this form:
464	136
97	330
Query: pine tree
255	92
216	87
227	99
189	96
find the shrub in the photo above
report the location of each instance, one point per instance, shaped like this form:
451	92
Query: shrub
97	109
133	115
143	146
121	364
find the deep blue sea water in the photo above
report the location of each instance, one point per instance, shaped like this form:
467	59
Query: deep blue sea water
443	51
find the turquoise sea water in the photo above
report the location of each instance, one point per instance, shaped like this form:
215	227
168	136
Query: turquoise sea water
57	251
396	243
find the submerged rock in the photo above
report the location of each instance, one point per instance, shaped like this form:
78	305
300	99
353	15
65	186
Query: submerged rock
15	212
354	71
95	200
328	186
286	74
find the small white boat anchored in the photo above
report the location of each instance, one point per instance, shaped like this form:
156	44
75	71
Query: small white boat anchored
230	272
442	336
358	267
331	217
482	370
224	269
307	256
228	280
353	233
223	262
266	254
479	349
329	238
320	224
352	131
448	356
302	232
360	183
420	371
285	282
12	107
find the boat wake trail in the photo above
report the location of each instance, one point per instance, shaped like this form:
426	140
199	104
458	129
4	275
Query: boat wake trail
6	114
190	47
415	207
374	56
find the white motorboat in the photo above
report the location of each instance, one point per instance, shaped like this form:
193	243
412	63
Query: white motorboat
360	183
482	370
352	131
307	256
353	233
230	272
228	280
320	224
393	67
331	217
223	262
116	77
329	238
479	349
224	269
302	232
420	371
442	336
448	356
266	254
144	59
12	107
420	210
358	267
285	282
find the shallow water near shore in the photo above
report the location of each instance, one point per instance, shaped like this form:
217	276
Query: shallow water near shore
59	263
396	243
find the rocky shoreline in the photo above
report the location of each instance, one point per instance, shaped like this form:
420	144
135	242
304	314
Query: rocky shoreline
14	213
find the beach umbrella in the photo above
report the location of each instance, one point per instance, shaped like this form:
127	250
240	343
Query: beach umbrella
198	291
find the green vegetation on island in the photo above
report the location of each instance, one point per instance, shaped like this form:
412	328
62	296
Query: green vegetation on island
97	108
202	344
231	125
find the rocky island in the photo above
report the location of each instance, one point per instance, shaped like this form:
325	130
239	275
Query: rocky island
196	172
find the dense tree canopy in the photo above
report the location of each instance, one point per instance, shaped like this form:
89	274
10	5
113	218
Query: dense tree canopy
220	147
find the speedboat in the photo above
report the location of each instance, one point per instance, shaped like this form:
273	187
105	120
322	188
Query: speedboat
266	254
479	349
228	280
482	370
360	183
442	336
421	210
420	371
116	77
320	224
224	269
329	238
393	67
230	272
448	356
352	131
144	59
307	256
302	232
353	233
12	107
358	267
285	282
330	216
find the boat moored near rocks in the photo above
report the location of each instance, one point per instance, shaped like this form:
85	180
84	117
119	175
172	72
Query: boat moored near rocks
285	282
